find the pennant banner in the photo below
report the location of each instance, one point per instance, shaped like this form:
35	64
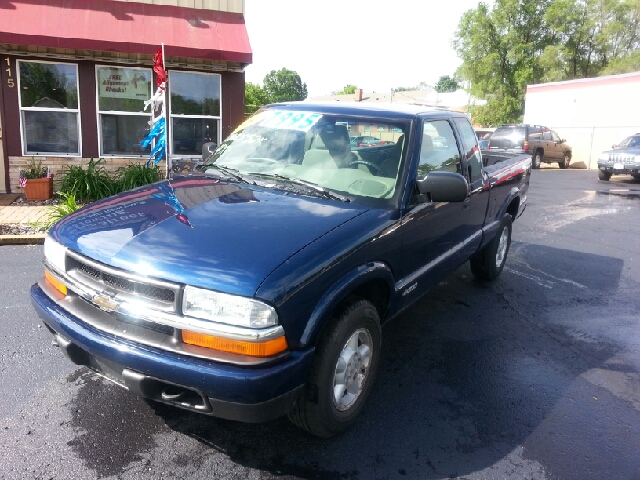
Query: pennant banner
157	103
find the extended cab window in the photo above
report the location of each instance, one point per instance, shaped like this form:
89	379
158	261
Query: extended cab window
472	152
438	148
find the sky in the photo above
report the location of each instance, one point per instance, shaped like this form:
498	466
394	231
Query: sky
375	45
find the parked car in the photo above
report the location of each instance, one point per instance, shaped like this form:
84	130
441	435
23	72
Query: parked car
367	141
623	159
258	286
483	143
544	145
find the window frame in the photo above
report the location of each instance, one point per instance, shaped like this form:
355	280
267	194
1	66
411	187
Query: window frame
23	142
115	112
170	115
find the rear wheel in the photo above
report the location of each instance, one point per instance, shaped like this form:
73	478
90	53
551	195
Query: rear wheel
604	175
489	262
342	373
537	159
565	162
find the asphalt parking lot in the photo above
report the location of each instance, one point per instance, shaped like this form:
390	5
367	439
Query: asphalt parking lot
533	376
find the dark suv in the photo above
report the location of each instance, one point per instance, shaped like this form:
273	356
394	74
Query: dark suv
544	144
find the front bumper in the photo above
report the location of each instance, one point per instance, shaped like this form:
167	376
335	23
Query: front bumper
249	394
620	168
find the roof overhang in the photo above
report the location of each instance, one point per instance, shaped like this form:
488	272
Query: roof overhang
126	27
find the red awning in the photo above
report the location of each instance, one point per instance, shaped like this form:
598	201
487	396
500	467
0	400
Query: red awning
125	27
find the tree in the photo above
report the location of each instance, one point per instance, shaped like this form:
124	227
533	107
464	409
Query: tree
284	85
447	84
347	90
254	97
523	42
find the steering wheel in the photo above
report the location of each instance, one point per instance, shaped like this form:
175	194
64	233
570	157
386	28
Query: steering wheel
372	166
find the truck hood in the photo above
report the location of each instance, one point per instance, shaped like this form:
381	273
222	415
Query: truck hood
201	231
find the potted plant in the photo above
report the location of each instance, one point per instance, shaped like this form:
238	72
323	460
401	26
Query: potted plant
36	181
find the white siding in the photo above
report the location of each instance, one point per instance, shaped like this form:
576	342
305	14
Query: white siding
592	114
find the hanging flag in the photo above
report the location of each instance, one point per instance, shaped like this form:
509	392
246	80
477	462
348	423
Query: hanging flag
158	130
23	180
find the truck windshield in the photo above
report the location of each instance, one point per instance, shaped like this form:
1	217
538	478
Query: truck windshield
352	156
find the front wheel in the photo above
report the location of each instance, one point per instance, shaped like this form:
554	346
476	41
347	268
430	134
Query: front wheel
343	371
565	162
489	262
604	175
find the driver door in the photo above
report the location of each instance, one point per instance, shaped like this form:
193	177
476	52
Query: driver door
433	233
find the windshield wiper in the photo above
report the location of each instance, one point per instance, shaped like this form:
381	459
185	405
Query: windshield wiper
229	172
311	187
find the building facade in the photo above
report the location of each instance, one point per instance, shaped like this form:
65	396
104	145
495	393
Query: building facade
592	114
75	76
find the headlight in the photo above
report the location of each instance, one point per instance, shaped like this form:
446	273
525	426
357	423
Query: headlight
604	157
225	308
55	254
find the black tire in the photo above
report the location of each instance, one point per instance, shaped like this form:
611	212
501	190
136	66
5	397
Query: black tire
486	264
565	162
537	159
316	410
604	175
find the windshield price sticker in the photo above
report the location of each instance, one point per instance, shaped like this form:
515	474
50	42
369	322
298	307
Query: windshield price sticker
301	121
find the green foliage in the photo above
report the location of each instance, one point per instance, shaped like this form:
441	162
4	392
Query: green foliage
284	86
521	42
88	184
136	175
56	212
347	90
34	169
254	97
48	82
94	182
447	84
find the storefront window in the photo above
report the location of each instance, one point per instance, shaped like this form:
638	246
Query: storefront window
49	108
123	123
195	111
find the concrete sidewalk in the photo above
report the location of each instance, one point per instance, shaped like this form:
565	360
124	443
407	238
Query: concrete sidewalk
20	214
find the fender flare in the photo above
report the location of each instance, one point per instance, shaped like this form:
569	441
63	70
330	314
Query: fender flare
339	291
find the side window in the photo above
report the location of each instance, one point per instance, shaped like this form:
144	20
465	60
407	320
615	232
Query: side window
546	135
438	148
535	133
472	152
49	108
555	136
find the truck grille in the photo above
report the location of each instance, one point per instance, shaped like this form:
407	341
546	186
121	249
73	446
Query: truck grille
622	158
158	294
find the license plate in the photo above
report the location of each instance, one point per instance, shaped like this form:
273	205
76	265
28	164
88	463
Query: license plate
618	166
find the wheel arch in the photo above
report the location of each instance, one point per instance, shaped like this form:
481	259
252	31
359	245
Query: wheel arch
373	282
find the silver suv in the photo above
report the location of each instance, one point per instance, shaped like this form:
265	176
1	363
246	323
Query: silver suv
624	159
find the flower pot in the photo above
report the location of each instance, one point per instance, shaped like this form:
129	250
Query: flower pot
39	188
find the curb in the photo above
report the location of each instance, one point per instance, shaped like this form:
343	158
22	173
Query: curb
37	239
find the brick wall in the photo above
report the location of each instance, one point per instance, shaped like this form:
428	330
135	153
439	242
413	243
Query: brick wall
56	165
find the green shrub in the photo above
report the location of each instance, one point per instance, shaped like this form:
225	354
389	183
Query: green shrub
88	185
136	175
56	212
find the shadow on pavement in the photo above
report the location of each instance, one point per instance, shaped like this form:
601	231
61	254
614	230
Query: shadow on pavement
469	374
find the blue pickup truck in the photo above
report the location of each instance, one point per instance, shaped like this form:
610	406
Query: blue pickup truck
257	287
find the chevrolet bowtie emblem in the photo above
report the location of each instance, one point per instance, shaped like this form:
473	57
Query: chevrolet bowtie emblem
105	303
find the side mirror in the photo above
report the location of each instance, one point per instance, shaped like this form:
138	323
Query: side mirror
614	146
444	187
563	140
207	149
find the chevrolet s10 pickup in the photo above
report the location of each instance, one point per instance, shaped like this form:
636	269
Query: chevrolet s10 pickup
257	286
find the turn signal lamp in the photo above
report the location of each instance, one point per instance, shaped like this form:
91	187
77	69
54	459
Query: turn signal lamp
526	145
266	348
55	282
